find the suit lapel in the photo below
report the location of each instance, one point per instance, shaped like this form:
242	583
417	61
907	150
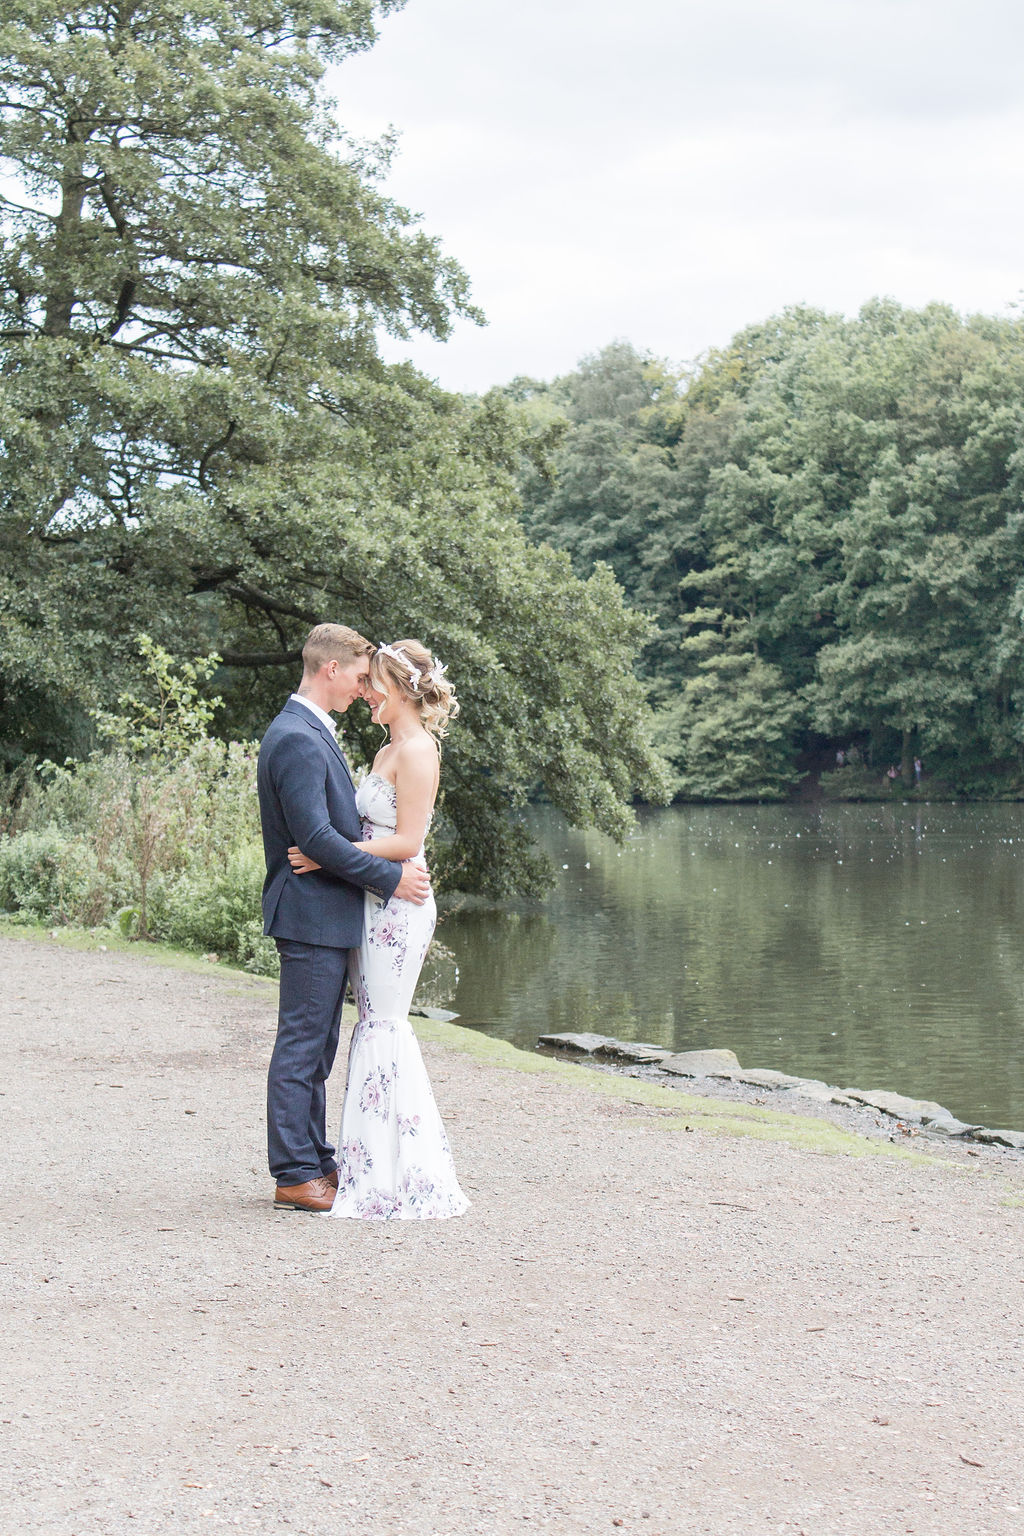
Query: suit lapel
317	725
331	741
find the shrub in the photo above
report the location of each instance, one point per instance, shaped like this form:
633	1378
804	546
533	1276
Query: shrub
164	848
216	907
19	797
52	877
159	834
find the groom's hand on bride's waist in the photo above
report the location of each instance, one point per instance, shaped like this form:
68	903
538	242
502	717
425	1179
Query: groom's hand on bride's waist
414	885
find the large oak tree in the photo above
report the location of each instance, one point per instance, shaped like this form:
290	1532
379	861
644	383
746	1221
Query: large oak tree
200	441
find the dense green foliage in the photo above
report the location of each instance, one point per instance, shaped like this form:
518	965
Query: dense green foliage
165	849
826	521
158	833
198	439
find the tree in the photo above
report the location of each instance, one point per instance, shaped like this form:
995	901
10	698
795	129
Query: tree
729	732
198	437
608	487
190	279
835	543
931	544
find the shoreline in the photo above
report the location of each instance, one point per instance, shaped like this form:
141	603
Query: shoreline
871	1112
624	1061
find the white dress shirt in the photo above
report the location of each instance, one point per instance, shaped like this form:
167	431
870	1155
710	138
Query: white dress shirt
321	714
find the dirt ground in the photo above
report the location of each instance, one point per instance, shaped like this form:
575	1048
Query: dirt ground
654	1319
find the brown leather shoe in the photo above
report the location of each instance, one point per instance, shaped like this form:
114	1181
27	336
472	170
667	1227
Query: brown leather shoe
317	1195
332	1178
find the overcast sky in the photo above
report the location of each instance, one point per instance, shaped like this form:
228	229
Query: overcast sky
667	171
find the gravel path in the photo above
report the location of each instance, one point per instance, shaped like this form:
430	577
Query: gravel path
637	1327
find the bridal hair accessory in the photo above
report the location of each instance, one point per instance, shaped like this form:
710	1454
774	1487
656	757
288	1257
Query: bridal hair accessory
436	673
414	672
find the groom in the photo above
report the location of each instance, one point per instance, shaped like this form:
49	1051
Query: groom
307	799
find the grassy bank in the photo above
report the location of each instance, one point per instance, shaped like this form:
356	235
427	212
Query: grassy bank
101	938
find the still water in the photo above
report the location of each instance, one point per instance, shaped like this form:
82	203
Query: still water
873	947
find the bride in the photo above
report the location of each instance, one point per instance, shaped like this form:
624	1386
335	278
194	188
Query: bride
393	1154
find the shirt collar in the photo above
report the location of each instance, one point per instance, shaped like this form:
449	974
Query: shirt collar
314	709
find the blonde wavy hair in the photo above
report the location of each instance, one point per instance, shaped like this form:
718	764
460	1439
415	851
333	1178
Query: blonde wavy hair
407	667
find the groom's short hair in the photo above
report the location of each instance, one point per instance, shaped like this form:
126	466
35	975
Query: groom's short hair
333	642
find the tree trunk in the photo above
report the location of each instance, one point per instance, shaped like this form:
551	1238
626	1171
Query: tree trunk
60	301
907	759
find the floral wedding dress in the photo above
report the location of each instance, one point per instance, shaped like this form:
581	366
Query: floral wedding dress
393	1154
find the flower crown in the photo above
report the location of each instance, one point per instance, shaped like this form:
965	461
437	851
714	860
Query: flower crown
435	675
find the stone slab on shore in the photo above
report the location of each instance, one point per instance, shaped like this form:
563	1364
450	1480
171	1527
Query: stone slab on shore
665	1314
949	1125
701	1063
1001	1138
764	1077
723	1064
920	1111
606	1046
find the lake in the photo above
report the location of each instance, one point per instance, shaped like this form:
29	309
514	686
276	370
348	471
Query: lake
871	946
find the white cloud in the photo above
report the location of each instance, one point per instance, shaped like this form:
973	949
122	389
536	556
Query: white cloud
671	173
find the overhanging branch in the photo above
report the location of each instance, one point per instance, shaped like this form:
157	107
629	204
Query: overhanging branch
258	659
267	604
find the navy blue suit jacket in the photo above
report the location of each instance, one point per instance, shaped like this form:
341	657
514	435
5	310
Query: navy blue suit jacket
307	798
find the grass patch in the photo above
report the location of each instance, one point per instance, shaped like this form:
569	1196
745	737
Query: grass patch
809	1134
710	1115
93	940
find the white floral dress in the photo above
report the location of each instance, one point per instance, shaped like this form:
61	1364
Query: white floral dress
393	1154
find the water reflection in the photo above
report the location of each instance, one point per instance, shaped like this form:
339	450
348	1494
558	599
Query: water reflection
869	946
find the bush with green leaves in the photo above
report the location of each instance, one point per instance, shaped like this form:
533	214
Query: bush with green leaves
158	835
47	876
162	850
215	907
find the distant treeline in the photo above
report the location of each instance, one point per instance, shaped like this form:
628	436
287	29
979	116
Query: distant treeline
826	519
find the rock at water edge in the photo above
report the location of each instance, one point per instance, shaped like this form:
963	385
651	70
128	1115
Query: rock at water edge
898	1106
1013	1139
583	1044
633	1050
821	1093
700	1063
764	1077
949	1125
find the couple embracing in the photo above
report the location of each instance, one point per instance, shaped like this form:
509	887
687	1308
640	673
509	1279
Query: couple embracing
347	898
